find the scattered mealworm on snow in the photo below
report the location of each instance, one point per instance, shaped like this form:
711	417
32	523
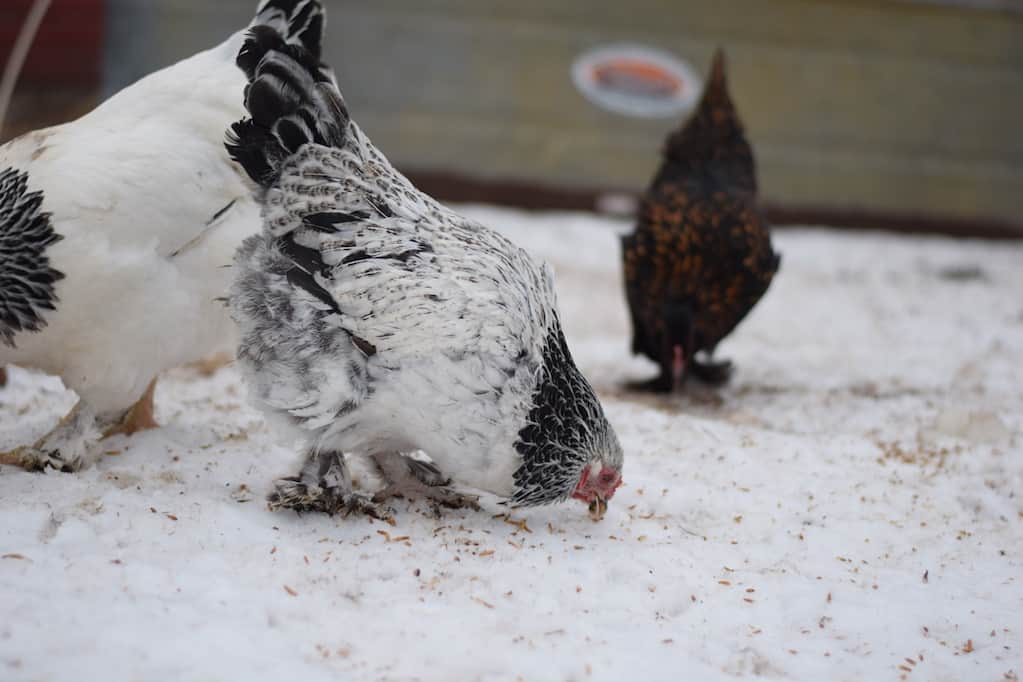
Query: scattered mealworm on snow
486	552
481	601
290	591
521	525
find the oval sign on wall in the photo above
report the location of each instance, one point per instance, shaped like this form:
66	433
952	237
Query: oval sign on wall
636	81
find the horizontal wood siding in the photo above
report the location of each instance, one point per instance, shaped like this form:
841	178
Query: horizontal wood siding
869	105
67	49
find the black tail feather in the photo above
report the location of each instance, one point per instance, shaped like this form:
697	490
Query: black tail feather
299	21
291	99
26	278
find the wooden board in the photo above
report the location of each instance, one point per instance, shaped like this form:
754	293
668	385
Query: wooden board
870	106
67	50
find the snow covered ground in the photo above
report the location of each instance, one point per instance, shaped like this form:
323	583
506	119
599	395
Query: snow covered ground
849	508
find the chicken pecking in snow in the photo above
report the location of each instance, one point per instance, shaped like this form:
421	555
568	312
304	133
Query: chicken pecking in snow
377	322
700	257
115	230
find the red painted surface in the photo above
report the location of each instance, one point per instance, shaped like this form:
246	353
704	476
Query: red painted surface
67	50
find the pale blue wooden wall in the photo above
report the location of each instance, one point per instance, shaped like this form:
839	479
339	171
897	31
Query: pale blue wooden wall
867	104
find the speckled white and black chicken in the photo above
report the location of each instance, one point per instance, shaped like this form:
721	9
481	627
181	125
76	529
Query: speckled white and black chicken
115	230
377	322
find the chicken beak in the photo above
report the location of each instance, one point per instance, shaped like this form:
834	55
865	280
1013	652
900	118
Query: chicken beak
598	506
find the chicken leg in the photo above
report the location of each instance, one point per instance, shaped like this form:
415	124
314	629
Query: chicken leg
138	417
407	476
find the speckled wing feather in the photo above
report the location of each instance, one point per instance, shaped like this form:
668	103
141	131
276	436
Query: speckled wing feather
383	264
404	277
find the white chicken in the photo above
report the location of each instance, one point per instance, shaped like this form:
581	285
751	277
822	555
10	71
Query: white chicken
116	231
376	321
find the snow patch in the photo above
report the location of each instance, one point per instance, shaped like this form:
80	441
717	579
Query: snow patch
848	508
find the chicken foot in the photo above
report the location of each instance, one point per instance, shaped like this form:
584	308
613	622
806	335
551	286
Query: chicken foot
324	485
70	445
410	477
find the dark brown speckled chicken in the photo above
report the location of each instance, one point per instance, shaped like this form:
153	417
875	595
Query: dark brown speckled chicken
700	257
